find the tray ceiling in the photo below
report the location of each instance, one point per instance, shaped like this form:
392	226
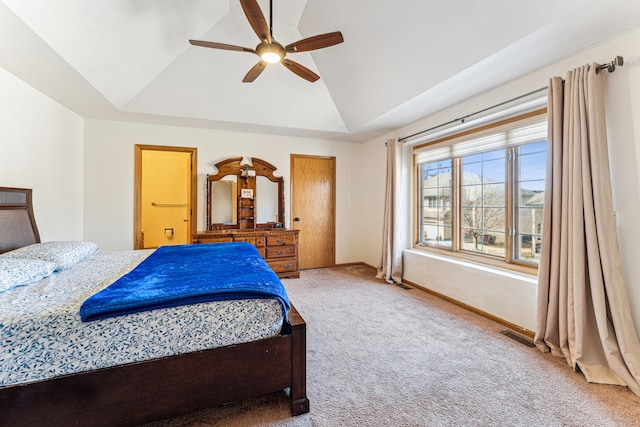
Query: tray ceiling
401	60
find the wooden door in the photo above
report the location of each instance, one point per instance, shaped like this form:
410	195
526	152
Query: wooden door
164	196
313	201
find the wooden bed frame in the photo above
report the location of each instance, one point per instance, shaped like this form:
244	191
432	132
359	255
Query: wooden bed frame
137	393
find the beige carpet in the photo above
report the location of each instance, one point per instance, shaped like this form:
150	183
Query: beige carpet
380	355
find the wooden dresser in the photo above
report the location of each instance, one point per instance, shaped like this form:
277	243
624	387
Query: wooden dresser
279	247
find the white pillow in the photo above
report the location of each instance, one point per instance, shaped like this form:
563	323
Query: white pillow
62	254
16	272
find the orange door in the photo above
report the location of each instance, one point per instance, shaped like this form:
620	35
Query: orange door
313	182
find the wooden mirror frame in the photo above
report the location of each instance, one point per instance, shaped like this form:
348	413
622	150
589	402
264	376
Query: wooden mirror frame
232	166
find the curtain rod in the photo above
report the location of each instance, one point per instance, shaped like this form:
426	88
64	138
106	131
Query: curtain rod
610	67
463	118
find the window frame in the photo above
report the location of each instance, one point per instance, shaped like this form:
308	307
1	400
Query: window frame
509	260
437	206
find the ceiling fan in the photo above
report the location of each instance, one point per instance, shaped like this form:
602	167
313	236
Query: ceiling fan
269	50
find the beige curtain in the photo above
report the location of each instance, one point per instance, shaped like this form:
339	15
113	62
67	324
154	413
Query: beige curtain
583	310
390	268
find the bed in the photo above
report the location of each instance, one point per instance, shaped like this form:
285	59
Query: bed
136	392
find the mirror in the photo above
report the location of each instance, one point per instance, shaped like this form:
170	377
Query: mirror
224	209
244	196
266	200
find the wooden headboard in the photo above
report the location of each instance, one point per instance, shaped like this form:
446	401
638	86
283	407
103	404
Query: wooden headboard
17	222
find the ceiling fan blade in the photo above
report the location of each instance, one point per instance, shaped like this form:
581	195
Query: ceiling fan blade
300	70
256	19
316	42
222	46
255	71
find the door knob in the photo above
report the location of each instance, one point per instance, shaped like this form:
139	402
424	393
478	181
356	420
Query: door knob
296	219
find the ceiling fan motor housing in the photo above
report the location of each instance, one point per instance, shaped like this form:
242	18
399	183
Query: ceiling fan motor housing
273	47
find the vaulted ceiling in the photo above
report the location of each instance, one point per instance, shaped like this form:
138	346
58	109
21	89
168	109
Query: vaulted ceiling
401	59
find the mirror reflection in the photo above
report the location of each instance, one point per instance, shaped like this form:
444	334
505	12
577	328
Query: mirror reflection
223	200
266	200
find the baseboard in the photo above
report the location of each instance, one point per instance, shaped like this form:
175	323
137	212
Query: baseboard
370	266
353	264
520	329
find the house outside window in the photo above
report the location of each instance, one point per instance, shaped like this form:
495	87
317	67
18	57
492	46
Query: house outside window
482	194
436	201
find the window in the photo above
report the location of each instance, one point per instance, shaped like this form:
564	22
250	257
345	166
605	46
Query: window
482	193
483	202
530	183
436	201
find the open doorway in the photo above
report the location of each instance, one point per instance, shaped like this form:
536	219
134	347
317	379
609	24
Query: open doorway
164	195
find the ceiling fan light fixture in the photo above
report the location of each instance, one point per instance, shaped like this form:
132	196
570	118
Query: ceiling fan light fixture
271	57
271	53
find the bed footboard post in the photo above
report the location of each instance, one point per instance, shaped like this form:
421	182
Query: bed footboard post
299	400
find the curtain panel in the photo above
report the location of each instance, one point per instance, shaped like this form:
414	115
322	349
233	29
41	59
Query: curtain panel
390	268
583	312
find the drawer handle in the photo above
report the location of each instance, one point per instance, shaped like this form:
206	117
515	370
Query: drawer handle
280	240
287	266
280	252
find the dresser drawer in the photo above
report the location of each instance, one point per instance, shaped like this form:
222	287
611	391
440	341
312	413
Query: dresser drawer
251	240
213	239
288	239
257	241
283	266
280	251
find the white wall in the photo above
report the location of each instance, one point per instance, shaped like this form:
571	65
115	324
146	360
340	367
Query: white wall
41	147
109	157
484	291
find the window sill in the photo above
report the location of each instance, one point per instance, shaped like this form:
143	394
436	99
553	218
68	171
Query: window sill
479	262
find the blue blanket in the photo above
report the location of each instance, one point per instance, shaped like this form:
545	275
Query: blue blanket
188	274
